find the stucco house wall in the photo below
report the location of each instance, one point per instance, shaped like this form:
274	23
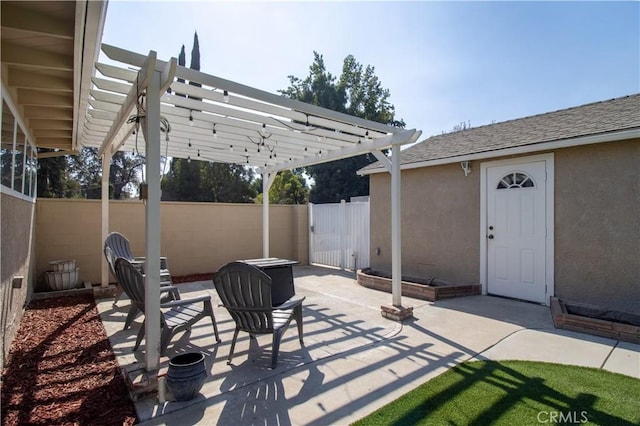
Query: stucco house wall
597	223
440	223
18	247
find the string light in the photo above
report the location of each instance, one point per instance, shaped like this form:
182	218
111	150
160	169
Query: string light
231	148
190	119
306	125
225	96
188	159
215	134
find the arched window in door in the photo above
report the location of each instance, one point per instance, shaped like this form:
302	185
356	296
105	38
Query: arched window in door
516	180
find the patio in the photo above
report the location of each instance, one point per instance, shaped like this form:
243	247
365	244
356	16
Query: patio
353	361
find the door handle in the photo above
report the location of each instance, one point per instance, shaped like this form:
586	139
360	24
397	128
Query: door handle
490	236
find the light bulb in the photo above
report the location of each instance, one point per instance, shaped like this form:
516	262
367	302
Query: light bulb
231	148
188	159
225	96
190	119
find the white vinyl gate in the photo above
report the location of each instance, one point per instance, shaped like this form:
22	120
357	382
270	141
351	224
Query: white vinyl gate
339	234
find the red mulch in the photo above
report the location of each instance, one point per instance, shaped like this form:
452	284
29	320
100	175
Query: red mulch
62	370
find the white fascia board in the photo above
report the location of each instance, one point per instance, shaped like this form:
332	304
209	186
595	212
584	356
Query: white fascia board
525	149
90	20
401	137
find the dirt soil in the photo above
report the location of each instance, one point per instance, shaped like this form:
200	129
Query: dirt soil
61	369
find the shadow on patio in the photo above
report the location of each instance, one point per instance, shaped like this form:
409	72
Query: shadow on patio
353	362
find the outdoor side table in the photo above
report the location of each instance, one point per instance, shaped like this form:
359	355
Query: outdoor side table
281	273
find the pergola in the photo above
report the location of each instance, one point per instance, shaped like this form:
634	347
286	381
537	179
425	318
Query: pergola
203	117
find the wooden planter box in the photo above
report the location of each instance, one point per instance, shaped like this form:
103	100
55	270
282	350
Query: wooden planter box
599	327
438	291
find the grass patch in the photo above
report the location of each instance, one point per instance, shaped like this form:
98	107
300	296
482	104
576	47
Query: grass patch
516	393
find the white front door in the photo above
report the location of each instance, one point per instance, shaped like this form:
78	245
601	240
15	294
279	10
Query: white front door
516	230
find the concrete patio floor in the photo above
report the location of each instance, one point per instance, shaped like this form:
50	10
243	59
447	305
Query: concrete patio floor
353	361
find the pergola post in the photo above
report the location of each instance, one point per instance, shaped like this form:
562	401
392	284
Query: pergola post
151	124
106	170
395	311
267	181
396	237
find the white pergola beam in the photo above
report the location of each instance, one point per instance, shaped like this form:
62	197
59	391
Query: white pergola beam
384	160
400	138
130	102
188	74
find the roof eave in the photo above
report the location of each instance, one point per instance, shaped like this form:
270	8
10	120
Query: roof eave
614	136
90	20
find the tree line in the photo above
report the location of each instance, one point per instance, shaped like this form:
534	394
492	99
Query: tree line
357	91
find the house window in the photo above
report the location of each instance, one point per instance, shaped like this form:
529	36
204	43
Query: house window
516	180
18	162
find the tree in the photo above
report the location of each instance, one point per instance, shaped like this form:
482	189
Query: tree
358	92
52	177
289	187
195	62
86	170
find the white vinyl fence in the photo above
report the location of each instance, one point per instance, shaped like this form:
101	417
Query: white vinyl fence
339	234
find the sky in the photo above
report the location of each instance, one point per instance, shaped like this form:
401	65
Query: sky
443	62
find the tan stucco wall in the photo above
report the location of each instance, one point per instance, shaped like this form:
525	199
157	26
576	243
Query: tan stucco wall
17	245
196	237
597	224
439	229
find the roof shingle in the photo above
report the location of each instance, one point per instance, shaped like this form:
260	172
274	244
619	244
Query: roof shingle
586	120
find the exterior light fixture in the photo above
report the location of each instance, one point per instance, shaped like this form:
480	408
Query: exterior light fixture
466	167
